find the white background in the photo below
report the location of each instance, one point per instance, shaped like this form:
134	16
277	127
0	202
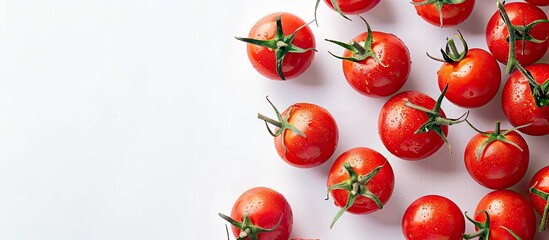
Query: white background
137	119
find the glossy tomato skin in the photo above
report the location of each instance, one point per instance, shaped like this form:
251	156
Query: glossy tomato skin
501	164
473	81
263	59
540	181
452	14
520	14
363	160
321	136
433	217
509	209
397	124
370	78
539	2
264	206
353	6
520	107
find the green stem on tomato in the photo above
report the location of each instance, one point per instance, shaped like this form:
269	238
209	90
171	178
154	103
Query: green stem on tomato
247	228
282	124
539	92
496	135
281	45
436	121
544	196
484	228
360	53
356	186
451	54
438	5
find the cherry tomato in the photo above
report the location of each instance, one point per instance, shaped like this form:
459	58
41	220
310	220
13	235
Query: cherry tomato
519	105
360	181
539	194
433	217
375	64
539	2
353	7
412	126
280	46
473	76
306	134
497	159
444	13
261	213
520	14
508	213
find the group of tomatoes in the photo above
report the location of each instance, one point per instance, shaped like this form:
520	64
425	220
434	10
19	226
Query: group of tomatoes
281	46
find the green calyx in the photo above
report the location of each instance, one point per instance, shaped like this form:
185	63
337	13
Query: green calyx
438	4
436	121
496	135
356	186
484	228
282	124
336	7
451	54
247	228
540	92
280	44
544	196
360	53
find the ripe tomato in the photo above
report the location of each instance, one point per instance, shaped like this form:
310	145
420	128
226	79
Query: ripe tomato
375	64
353	7
497	159
306	134
473	76
502	213
433	217
444	13
280	46
521	14
539	2
412	126
261	213
519	105
539	194
361	181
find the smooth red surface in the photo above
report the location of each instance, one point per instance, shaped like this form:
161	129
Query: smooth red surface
353	6
520	14
363	160
540	181
433	217
263	59
452	14
472	82
321	136
370	78
398	123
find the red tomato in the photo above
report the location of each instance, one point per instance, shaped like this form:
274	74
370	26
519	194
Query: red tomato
520	14
433	217
274	50
410	133
473	76
353	7
539	193
444	13
361	181
508	212
306	134
539	2
497	159
261	213
519	105
376	64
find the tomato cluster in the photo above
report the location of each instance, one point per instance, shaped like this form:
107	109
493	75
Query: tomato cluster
411	124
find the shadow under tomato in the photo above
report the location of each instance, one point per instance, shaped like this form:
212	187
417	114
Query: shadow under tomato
383	12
